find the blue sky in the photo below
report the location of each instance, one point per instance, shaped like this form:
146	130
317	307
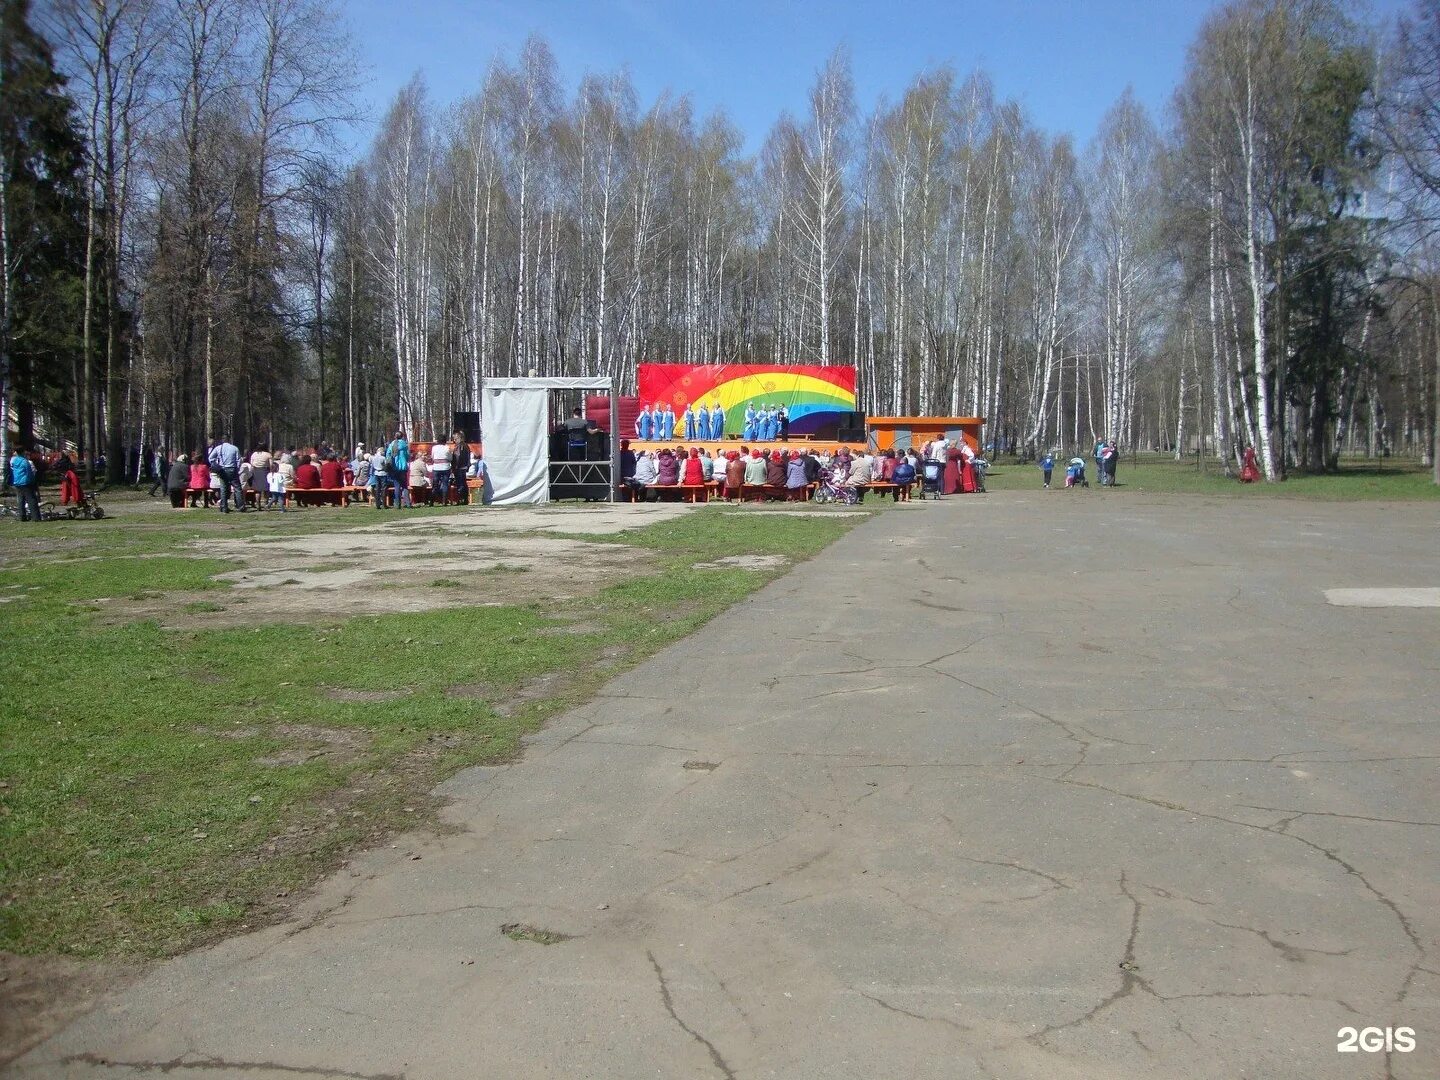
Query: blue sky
1066	62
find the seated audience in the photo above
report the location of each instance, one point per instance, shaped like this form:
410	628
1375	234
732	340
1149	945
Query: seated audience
694	471
755	470
734	474
775	471
332	473
307	476
420	477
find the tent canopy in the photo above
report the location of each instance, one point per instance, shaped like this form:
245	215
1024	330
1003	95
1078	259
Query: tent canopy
567	383
516	416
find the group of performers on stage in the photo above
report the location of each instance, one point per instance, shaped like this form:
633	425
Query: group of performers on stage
766	424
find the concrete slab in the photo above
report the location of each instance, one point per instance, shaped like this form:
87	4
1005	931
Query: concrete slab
1383	597
1062	788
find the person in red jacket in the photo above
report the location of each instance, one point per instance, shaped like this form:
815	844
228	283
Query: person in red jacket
332	476
694	471
71	493
307	476
199	479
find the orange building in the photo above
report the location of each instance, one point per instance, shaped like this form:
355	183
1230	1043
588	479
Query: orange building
903	432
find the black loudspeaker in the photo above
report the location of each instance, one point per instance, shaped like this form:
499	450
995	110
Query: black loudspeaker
853	420
468	423
850	434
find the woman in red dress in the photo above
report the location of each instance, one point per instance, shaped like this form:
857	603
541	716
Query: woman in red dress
952	483
1250	471
968	483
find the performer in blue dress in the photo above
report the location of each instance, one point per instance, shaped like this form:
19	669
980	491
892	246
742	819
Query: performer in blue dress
767	424
644	424
749	430
667	423
702	422
717	421
687	423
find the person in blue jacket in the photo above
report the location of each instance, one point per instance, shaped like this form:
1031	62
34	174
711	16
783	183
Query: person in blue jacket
749	429
702	422
26	484
717	421
667	423
1047	465
644	424
687	423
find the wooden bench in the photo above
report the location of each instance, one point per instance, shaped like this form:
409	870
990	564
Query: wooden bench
900	491
322	496
693	491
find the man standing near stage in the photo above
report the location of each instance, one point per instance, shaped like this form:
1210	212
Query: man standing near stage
224	460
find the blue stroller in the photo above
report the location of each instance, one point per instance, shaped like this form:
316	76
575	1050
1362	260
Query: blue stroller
932	478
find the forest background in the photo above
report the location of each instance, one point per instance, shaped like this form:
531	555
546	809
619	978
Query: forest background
188	249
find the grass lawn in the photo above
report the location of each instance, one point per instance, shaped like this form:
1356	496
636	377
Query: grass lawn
1357	479
159	787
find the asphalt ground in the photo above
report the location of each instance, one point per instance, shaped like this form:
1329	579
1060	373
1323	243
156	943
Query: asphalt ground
1060	784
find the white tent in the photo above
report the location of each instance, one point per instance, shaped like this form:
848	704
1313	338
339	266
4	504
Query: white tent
516	437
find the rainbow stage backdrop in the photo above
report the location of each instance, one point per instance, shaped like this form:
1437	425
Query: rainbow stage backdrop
813	396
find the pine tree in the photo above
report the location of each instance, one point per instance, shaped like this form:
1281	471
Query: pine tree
42	228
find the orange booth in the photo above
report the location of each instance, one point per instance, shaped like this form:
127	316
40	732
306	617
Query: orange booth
903	432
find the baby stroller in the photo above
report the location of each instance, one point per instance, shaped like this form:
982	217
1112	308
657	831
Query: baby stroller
981	467
932	478
1075	473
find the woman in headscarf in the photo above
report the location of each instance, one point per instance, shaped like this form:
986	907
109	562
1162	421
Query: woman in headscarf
1250	471
969	483
694	471
755	470
775	471
667	469
795	479
734	475
644	475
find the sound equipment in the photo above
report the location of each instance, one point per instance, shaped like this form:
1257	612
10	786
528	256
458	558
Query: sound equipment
597	446
850	420
468	424
850	434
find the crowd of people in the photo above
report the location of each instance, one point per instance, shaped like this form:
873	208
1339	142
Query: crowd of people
265	479
843	475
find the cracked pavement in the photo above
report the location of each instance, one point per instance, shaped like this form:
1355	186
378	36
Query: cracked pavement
1032	785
